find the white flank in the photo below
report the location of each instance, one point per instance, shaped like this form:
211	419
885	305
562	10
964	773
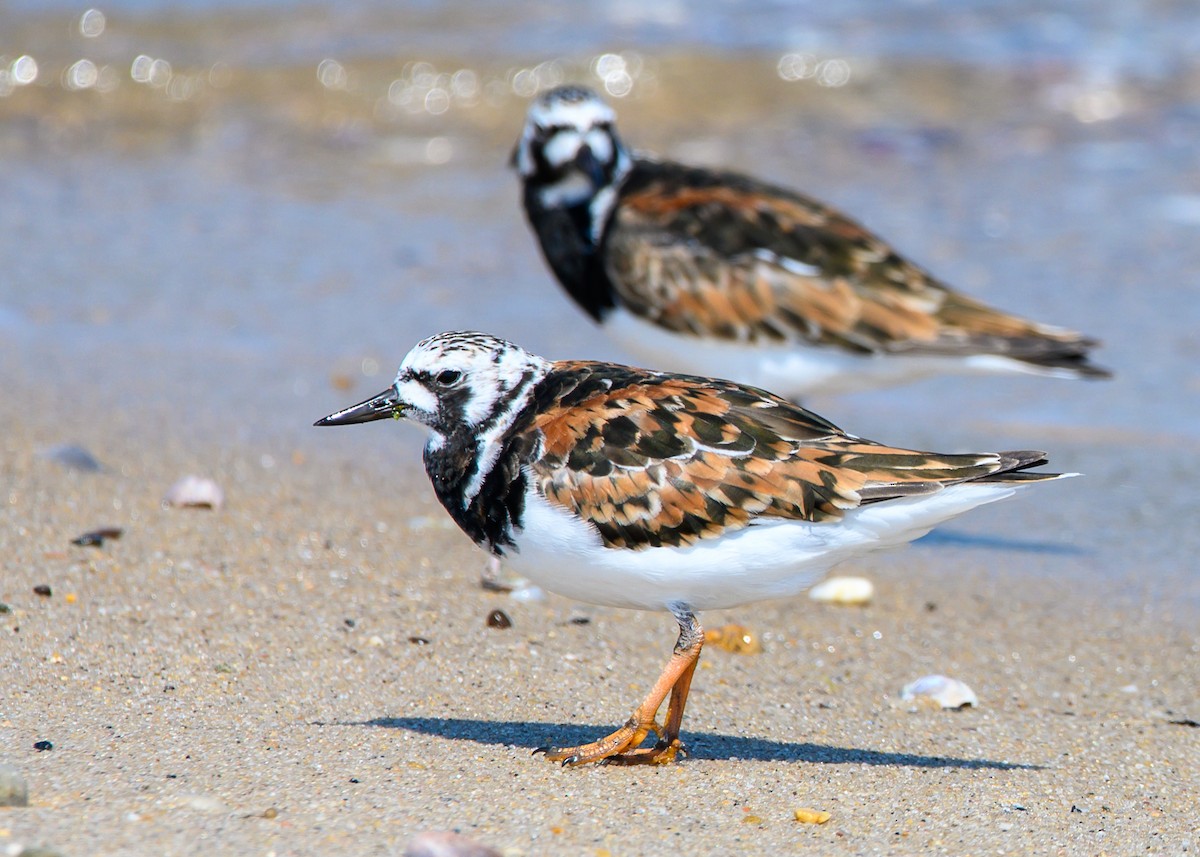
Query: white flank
770	559
796	369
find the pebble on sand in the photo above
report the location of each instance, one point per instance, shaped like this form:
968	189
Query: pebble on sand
812	816
443	843
843	590
72	457
96	538
196	492
13	791
498	619
733	638
945	692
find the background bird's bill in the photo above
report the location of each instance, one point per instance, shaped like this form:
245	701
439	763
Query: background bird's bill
379	407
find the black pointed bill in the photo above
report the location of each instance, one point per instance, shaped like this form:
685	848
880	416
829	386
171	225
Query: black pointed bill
587	163
386	404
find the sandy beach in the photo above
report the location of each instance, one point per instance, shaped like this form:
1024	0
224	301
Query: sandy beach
199	259
309	670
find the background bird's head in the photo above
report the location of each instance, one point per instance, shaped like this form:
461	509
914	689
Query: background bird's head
569	149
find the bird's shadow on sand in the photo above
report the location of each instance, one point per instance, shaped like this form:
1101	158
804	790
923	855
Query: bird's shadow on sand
700	745
951	539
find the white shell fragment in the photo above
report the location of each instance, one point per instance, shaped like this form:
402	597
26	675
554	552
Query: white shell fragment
195	492
843	590
945	692
528	593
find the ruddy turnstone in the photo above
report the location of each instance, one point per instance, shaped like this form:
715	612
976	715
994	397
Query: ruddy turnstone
631	488
716	273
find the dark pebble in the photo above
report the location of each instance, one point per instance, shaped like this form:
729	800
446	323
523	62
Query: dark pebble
42	746
95	538
43	590
581	620
498	619
73	458
419	641
4	608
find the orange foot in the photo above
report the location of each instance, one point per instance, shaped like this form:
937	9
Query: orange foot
623	747
620	748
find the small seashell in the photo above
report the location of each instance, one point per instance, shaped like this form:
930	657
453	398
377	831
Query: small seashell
444	843
204	803
498	619
733	638
527	594
195	492
812	816
945	692
843	590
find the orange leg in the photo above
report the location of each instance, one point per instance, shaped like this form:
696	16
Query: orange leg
622	747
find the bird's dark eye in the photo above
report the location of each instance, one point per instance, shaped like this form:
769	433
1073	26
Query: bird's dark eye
448	377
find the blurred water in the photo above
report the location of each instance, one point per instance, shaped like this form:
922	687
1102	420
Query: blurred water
299	191
230	217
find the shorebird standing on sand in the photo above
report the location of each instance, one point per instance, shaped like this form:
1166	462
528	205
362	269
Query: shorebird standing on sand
715	273
654	491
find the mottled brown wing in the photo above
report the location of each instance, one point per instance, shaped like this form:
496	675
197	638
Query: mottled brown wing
721	255
654	459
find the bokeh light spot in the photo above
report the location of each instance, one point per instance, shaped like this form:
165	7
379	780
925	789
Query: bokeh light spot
81	74
833	73
438	150
793	66
437	101
24	70
332	74
92	23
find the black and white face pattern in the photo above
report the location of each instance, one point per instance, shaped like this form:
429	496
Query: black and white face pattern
569	148
465	382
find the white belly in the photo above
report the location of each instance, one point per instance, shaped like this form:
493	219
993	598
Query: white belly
795	369
771	559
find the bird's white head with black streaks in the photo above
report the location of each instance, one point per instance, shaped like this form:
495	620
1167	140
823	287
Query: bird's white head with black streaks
454	382
569	146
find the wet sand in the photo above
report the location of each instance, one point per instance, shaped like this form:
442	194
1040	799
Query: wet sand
252	679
